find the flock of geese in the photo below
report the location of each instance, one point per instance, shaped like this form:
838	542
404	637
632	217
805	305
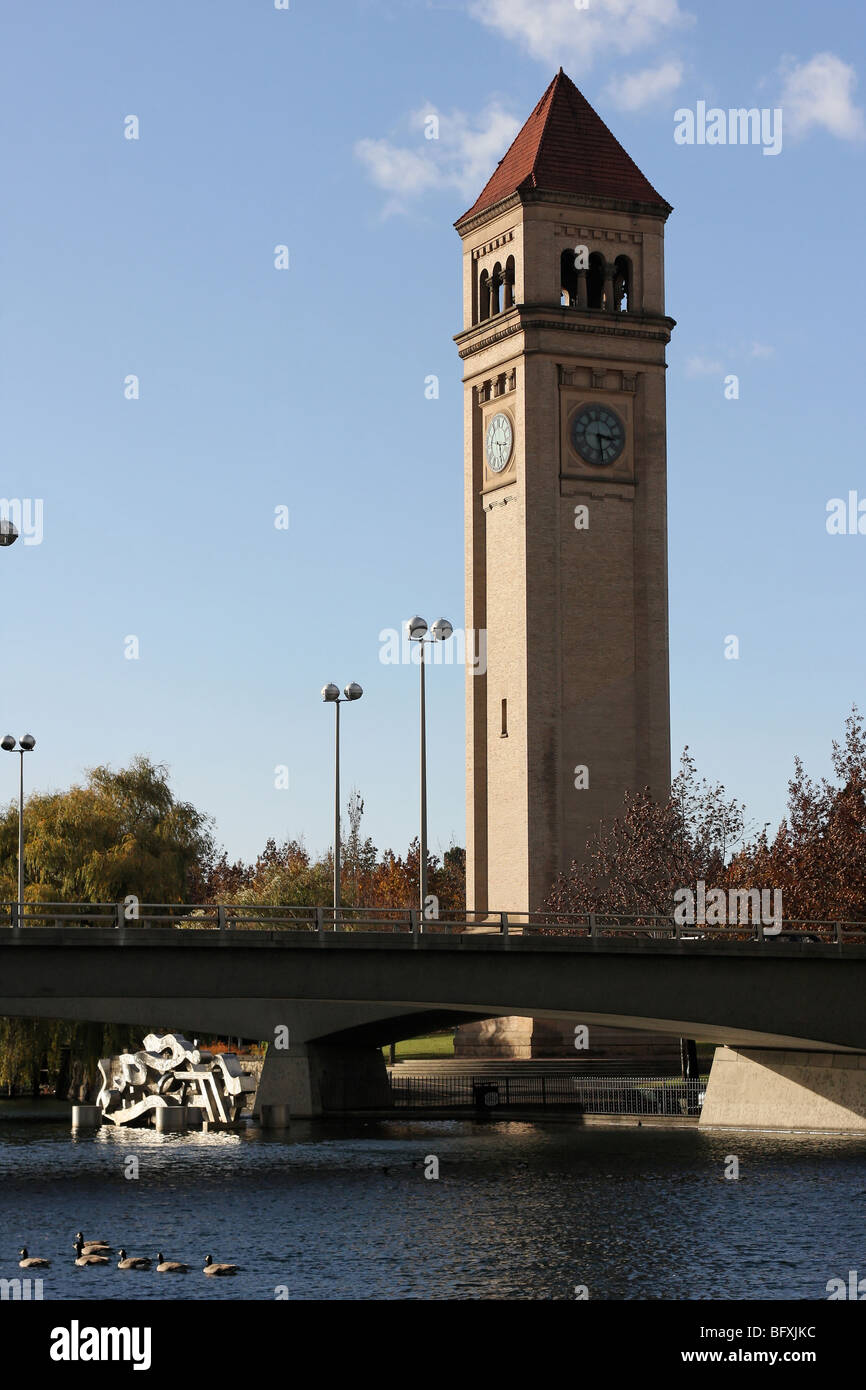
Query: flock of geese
96	1252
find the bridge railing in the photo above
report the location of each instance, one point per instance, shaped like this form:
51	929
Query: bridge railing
131	915
590	1095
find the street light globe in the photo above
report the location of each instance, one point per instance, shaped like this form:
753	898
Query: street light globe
28	743
441	630
330	692
417	628
8	531
353	691
8	743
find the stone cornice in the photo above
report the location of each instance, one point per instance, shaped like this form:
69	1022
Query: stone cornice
524	197
648	327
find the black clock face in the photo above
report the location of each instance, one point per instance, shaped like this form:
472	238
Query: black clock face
597	434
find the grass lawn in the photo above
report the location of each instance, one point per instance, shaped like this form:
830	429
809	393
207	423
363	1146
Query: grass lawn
433	1045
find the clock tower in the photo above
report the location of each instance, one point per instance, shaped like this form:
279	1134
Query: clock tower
563	348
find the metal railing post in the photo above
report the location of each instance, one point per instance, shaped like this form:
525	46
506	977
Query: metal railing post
320	923
592	924
120	917
839	934
413	921
221	916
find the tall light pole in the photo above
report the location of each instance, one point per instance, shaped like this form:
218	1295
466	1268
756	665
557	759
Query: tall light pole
439	632
24	745
331	696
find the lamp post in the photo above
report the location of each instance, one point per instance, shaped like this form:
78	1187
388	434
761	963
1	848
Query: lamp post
331	696
439	632
24	745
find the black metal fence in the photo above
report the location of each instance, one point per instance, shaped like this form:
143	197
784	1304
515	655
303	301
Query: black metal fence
588	1095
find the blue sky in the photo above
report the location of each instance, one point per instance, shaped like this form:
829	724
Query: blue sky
304	388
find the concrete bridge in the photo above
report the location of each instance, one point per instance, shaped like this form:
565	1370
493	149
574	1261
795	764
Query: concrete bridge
789	1006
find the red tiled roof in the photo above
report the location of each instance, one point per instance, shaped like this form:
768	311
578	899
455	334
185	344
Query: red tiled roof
565	147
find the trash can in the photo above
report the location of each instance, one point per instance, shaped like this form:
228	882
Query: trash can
485	1095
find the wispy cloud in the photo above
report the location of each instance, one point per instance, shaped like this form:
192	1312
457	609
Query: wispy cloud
820	95
703	366
461	158
557	31
640	89
700	365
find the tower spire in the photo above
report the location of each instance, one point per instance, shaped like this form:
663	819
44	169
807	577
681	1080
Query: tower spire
565	147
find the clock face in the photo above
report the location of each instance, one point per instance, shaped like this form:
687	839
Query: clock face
499	442
597	434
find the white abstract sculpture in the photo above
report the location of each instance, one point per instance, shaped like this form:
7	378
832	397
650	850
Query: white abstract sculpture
171	1072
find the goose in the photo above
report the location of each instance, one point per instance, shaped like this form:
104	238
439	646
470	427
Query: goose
165	1266
31	1262
125	1261
88	1259
211	1268
93	1247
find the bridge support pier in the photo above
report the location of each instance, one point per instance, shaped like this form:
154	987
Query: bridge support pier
315	1079
764	1088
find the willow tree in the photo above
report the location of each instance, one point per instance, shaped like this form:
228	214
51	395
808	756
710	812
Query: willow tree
122	833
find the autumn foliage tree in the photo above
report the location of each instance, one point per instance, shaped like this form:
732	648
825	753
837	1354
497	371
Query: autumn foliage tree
635	864
817	856
289	875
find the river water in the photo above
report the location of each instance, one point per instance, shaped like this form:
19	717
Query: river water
518	1211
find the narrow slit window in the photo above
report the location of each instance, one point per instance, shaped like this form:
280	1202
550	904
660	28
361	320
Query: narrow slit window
504	733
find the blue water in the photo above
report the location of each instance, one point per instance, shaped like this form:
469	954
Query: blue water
520	1210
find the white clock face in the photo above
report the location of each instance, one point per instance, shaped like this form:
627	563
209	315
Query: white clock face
499	442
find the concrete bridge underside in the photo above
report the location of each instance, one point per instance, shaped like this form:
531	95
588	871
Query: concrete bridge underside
792	1016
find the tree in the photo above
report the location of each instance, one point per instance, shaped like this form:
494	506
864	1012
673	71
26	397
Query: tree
122	833
287	875
359	856
636	864
817	857
394	881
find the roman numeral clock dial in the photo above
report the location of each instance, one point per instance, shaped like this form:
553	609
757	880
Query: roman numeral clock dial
499	442
597	435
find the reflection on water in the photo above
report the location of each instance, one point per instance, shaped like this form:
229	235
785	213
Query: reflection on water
520	1210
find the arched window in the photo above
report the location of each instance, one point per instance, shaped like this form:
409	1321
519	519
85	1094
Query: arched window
496	287
484	296
622	285
568	279
509	282
595	281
